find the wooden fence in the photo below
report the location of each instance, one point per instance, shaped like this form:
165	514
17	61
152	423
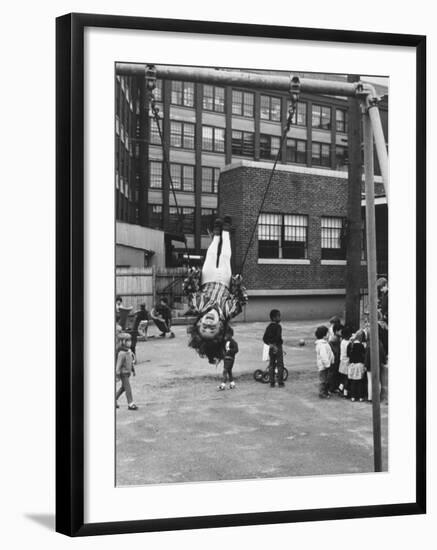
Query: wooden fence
143	285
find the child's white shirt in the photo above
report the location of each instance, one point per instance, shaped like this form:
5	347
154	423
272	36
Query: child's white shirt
324	354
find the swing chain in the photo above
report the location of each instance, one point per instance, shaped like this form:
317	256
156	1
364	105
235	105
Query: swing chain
150	78
294	92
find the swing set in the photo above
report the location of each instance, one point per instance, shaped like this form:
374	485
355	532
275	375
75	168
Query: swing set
372	135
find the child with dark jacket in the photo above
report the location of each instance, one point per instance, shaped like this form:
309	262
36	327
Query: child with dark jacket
334	341
162	314
273	338
141	316
231	350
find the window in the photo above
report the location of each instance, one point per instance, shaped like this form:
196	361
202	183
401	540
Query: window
321	154
207	217
182	177
341	157
282	236
214	98
332	234
182	134
270	108
242	103
185	218
182	93
213	139
155	215
269	146
154	132
296	151
243	143
300	115
341	120
155	175
210	177
117	125
321	117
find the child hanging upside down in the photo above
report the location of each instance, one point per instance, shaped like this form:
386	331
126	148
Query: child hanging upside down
214	295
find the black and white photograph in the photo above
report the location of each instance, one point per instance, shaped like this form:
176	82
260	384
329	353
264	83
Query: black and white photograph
251	274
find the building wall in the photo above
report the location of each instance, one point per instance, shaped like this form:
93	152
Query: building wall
133	241
312	193
294	307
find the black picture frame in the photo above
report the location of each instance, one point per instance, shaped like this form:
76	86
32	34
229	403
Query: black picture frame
70	274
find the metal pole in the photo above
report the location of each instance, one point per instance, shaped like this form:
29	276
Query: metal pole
371	283
353	233
239	78
381	149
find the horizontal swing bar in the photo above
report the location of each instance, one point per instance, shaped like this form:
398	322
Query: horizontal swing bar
240	78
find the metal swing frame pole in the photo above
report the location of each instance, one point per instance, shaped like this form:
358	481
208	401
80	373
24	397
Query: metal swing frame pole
371	283
380	146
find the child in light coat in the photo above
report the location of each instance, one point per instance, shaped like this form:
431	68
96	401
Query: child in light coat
325	360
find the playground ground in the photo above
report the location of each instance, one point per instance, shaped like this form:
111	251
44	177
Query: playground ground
185	430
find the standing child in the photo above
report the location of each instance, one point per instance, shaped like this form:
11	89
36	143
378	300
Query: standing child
325	358
124	368
334	340
273	338
343	368
368	365
231	350
356	370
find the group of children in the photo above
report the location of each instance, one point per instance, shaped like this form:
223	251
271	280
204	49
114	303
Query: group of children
343	361
125	347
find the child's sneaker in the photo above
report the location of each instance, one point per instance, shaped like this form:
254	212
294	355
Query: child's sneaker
232	385
221	387
132	407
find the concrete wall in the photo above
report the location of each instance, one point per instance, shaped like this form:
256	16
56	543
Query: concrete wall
293	307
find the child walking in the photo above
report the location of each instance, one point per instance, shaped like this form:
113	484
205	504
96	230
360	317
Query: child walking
324	358
231	350
124	368
273	338
356	370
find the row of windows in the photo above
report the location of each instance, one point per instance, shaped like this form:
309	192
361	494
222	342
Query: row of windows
182	135
285	236
243	104
185	221
182	176
280	236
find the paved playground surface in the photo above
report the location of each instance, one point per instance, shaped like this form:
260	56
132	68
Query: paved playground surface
185	430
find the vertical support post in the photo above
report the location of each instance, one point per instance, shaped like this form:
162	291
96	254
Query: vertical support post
371	282
353	242
380	147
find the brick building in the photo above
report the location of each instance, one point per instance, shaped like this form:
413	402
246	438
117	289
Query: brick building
296	260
